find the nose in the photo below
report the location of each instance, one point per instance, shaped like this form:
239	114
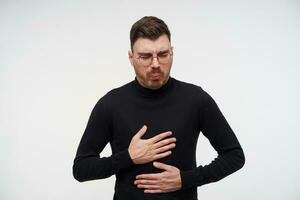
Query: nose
155	63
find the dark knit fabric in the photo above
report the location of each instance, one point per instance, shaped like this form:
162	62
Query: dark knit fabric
183	108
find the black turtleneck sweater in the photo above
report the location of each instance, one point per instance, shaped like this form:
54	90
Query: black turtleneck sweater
180	107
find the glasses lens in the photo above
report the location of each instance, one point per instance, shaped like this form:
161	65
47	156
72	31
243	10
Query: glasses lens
163	58
146	60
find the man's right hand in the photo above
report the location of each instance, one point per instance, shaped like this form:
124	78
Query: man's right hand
143	151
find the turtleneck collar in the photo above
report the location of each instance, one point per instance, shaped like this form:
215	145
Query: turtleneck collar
154	92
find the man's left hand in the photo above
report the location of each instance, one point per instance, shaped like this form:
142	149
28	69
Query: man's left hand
167	181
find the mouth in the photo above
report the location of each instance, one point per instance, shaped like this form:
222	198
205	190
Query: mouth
155	76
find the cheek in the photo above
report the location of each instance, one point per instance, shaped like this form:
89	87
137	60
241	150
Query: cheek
141	71
166	69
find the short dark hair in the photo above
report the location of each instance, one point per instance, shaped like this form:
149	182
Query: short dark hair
149	27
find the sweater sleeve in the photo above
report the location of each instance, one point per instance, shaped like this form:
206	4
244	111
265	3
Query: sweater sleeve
88	165
230	154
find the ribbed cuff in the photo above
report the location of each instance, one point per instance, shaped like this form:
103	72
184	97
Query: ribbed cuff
121	160
188	179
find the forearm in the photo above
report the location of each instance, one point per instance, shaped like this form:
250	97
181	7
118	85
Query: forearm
225	164
87	168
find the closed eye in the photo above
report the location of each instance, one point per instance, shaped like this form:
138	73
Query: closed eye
145	57
163	55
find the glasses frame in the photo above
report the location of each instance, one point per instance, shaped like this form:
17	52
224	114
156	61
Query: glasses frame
170	53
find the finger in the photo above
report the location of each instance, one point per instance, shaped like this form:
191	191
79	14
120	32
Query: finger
154	176
153	191
164	142
162	155
160	136
141	132
145	182
153	187
165	148
163	166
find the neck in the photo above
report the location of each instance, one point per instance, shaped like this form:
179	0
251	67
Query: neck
150	92
143	84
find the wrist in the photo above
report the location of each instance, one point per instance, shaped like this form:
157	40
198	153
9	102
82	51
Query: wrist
132	155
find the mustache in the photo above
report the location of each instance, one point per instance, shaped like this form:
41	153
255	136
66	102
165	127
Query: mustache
155	71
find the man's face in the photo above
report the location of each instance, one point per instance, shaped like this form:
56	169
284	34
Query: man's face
152	61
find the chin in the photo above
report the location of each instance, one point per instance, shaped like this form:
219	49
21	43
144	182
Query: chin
155	84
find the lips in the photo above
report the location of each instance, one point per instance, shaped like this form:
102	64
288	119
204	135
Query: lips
155	76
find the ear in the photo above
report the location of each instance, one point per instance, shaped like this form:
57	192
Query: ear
130	56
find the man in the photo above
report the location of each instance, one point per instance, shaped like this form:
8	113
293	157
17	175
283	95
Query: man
152	125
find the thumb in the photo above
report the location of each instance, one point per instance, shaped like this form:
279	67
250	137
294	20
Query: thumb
163	166
141	132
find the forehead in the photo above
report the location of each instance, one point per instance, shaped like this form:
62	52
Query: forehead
147	45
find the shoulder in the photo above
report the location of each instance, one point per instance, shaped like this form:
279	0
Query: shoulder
120	91
190	88
116	95
186	85
193	93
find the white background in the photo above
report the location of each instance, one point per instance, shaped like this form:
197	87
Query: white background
57	58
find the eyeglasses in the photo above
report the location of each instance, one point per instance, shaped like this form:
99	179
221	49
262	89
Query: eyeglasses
163	57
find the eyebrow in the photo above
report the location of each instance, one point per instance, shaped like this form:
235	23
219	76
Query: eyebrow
148	54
